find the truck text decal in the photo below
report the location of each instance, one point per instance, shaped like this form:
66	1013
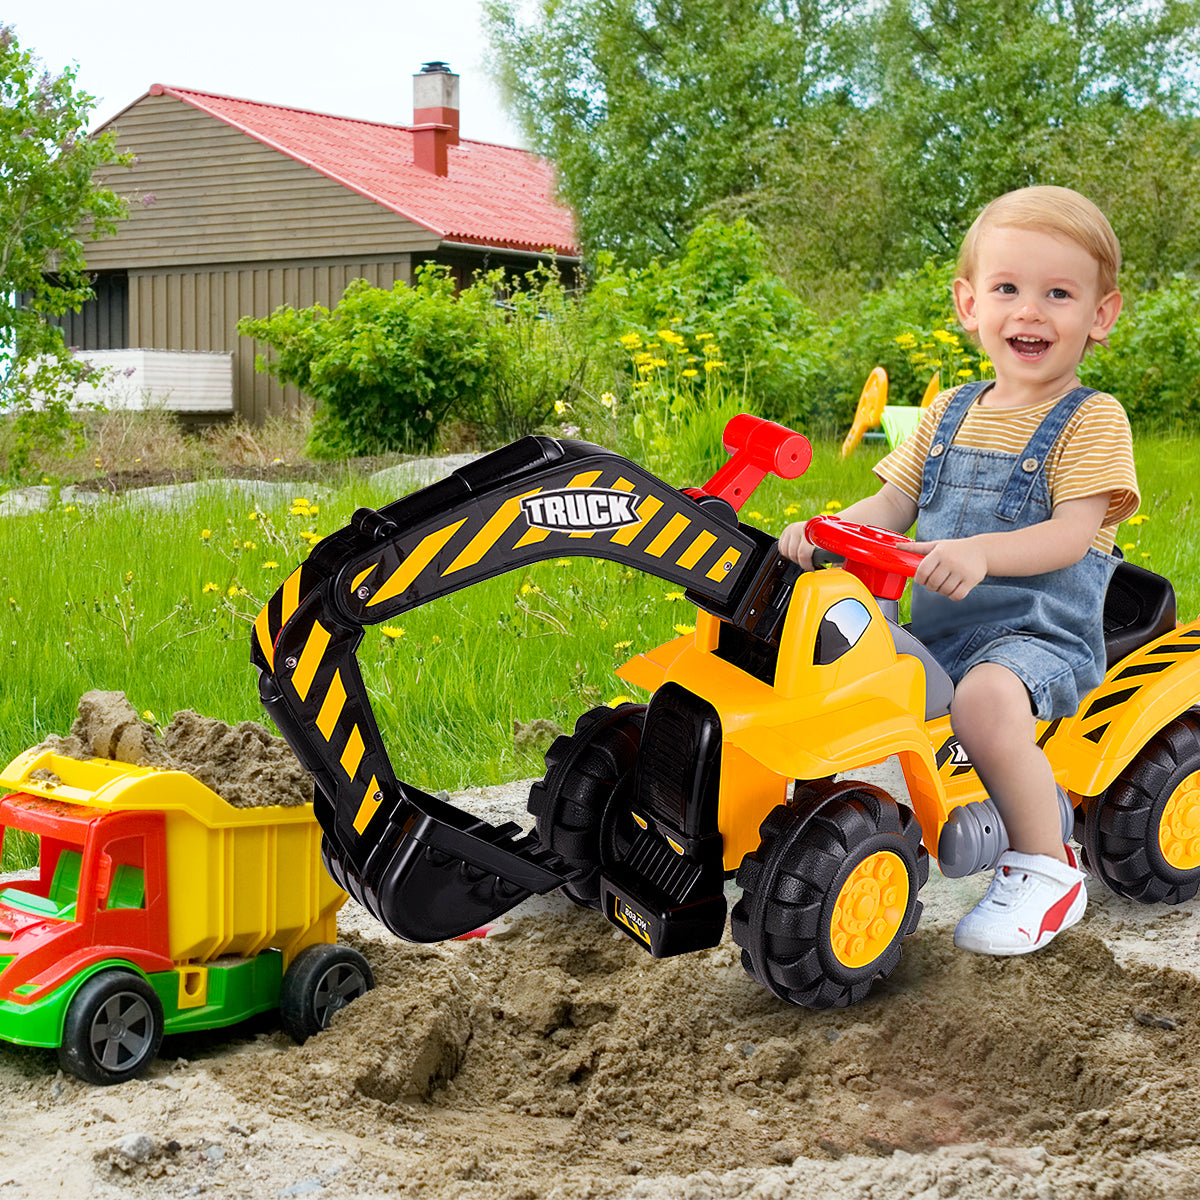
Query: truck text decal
581	509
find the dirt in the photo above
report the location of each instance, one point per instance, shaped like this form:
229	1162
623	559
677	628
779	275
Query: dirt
307	471
553	1058
244	764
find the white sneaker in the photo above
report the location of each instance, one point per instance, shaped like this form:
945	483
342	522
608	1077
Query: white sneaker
1030	899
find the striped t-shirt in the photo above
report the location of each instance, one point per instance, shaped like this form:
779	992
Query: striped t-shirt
1094	453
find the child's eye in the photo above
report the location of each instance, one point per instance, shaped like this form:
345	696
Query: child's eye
1007	289
1059	294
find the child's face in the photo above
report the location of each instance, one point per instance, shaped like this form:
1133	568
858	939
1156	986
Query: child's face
1034	303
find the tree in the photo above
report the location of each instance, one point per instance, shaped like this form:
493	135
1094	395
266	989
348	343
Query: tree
653	109
984	96
46	164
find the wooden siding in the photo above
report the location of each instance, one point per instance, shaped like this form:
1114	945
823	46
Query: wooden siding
199	310
221	196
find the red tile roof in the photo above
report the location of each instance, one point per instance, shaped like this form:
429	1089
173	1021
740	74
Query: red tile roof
492	196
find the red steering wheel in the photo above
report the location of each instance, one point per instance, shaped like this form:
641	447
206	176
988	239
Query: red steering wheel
875	556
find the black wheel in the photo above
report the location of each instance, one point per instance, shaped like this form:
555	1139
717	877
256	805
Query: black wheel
113	1029
1141	836
321	980
574	804
829	894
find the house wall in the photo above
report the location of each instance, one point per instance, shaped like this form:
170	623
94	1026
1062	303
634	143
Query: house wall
204	192
220	227
199	308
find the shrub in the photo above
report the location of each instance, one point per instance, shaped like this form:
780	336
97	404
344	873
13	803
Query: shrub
385	366
1152	364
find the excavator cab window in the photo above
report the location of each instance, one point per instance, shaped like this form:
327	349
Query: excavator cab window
839	631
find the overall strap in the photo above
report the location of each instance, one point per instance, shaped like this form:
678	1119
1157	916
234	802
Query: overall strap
1031	462
943	437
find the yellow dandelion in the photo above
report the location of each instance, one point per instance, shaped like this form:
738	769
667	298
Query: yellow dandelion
1140	519
905	341
270	565
391	632
684	630
703	337
618	700
965	373
689	373
833	506
249	545
210	587
559	407
756	516
232	590
147	715
252	516
631	341
791	510
713	364
1129	546
435	640
945	337
673	596
619	646
205	534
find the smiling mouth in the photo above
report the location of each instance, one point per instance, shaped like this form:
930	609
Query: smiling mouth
1029	347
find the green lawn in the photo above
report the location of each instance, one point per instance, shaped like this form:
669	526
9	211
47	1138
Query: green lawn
159	604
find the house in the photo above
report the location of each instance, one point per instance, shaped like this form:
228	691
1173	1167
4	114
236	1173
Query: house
238	207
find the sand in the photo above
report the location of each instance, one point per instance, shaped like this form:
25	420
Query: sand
555	1059
244	764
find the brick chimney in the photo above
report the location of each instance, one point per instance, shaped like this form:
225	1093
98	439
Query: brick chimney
435	116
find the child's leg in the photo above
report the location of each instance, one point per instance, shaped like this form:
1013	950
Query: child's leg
993	720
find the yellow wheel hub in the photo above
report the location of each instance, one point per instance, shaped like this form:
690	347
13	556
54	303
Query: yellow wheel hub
869	909
1179	829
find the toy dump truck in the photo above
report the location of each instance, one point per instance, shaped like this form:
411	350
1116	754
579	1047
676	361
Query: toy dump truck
746	759
159	908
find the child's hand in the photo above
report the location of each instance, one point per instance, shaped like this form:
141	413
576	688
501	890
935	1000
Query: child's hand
951	568
794	545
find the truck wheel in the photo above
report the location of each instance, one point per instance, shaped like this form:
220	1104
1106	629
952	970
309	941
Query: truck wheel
827	897
321	979
113	1029
1141	836
573	805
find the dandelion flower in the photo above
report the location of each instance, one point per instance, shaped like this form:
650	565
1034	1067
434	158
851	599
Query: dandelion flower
232	590
391	632
833	506
149	716
618	700
713	364
210	587
1140	519
689	373
270	565
618	646
205	534
756	516
1129	546
673	596
791	510
249	545
435	640
684	630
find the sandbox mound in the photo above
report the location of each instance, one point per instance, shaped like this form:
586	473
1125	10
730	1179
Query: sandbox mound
244	764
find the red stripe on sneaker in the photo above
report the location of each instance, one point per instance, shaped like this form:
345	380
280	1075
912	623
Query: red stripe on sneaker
1057	911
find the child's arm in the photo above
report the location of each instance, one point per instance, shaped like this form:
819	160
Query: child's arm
889	508
954	566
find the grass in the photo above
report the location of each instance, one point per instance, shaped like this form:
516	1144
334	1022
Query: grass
158	604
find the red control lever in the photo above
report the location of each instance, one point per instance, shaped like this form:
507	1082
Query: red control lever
758	448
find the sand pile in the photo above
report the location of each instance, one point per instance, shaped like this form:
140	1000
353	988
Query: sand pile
244	764
557	1059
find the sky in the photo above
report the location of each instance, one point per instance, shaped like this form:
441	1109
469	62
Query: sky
355	58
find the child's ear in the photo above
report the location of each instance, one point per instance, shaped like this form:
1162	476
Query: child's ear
964	304
1107	312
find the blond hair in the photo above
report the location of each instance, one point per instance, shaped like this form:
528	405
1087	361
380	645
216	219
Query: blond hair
1058	211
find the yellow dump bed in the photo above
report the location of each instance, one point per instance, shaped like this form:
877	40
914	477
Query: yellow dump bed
240	880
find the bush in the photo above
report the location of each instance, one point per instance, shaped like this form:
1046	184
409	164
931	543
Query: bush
385	367
1152	364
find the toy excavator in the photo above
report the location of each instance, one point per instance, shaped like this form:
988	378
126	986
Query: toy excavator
744	759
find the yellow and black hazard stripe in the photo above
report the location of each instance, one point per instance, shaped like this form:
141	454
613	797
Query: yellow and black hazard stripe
672	538
1134	678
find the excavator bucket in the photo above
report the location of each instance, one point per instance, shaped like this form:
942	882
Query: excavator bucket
425	868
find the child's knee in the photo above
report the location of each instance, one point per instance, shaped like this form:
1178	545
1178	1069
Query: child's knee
990	698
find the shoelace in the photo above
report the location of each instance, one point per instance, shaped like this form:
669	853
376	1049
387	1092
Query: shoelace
1003	882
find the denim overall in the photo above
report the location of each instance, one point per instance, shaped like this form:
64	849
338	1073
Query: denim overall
1047	629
